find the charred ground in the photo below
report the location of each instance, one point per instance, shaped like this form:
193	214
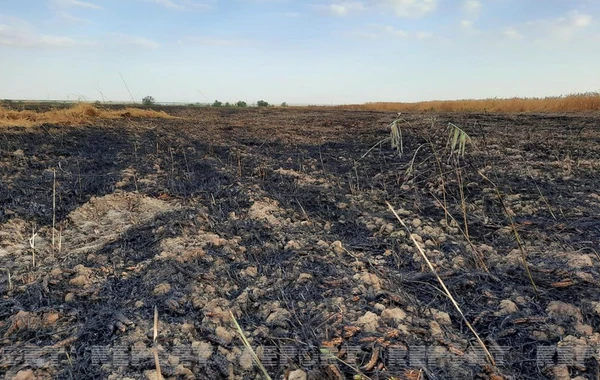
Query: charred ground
279	215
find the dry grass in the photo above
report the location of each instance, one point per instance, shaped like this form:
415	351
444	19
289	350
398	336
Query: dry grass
249	347
443	285
589	101
79	114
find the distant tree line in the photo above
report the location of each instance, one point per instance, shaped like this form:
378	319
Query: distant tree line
241	103
149	100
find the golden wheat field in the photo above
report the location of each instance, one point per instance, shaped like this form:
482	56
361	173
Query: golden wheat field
568	103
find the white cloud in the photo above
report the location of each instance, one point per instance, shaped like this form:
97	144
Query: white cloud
424	35
71	18
387	31
392	31
58	41
264	1
466	24
76	4
214	41
137	41
180	4
343	8
13	36
402	8
411	8
472	9
365	35
143	42
512	34
64	9
559	29
469	28
471	6
290	14
168	4
580	20
15	32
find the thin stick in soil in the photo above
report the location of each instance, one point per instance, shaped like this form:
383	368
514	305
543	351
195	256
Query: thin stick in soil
357	178
411	165
248	347
463	203
322	163
369	151
32	245
10	284
544	199
443	285
53	206
303	211
172	163
155	348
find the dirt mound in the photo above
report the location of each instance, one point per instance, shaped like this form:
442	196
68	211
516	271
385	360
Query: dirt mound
104	219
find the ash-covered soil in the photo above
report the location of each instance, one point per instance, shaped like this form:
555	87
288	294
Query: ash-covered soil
279	218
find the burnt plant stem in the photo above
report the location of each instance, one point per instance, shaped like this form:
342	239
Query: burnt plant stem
439	165
444	287
463	203
476	255
515	232
53	206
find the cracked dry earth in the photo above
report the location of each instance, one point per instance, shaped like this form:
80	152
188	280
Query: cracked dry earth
278	217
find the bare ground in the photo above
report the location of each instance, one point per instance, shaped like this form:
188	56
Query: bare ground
279	217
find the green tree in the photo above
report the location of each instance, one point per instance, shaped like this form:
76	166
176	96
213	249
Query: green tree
241	103
284	104
227	104
148	101
217	104
262	103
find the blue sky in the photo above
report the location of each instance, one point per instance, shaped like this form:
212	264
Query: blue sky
300	52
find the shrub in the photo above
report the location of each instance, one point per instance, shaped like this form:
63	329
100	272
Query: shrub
262	103
148	101
284	104
241	103
217	104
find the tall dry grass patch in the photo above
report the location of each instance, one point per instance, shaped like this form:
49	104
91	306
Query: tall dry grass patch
589	101
79	114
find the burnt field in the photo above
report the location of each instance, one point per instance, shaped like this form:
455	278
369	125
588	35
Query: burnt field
278	217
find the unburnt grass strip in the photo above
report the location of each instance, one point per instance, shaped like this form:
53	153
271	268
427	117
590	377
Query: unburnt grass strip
79	114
